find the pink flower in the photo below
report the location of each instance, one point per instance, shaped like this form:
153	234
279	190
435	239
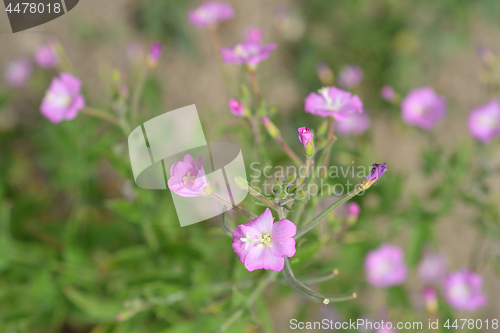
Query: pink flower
350	76
333	102
385	266
236	107
155	51
260	243
253	34
46	57
353	209
431	301
210	13
187	179
18	72
63	100
376	172
306	138
423	107
355	124
432	268
462	290
484	121
247	53
387	93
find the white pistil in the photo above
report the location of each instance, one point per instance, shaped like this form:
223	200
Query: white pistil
247	240
264	239
330	104
188	178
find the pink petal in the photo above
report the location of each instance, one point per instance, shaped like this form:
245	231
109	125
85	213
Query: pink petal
260	256
238	245
190	159
263	222
283	229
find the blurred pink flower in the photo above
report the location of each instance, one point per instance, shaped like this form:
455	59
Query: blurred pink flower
260	243
430	298
384	328
210	13
247	53
333	102
63	99
387	93
355	124
385	266
253	34
353	209
46	57
463	290
155	51
432	268
484	121
187	179
423	107
236	107
350	76
18	72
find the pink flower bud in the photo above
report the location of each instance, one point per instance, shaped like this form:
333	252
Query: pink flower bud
46	57
387	93
350	76
306	138
253	34
430	297
236	107
353	209
154	54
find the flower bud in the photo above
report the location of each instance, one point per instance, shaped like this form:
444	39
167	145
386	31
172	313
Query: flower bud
292	189
277	186
306	138
301	194
431	302
291	178
236	107
154	54
241	182
270	127
387	93
353	209
282	194
377	171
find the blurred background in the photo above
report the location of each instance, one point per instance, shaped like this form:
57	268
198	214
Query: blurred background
82	249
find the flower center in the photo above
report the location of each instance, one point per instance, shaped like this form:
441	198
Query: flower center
188	178
330	104
460	291
488	121
240	51
266	239
60	100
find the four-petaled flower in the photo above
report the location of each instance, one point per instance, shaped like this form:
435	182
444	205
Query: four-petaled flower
332	102
423	107
260	243
385	266
462	290
377	171
187	179
210	13
484	121
249	53
62	100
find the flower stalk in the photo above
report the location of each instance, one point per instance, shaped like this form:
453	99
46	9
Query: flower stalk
236	208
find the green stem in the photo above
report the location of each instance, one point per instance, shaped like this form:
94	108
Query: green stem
238	209
289	151
281	213
137	94
327	211
224	226
100	114
262	198
255	85
303	176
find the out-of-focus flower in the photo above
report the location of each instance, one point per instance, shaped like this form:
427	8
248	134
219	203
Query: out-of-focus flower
18	72
333	102
484	121
463	290
260	243
423	107
350	76
485	54
247	53
63	99
46	57
385	328
355	124
155	51
187	179
432	268
210	13
236	107
385	266
134	51
253	34
290	25
431	301
387	93
376	172
353	209
325	73
306	138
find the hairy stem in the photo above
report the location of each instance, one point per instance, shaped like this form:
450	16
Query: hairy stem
237	208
